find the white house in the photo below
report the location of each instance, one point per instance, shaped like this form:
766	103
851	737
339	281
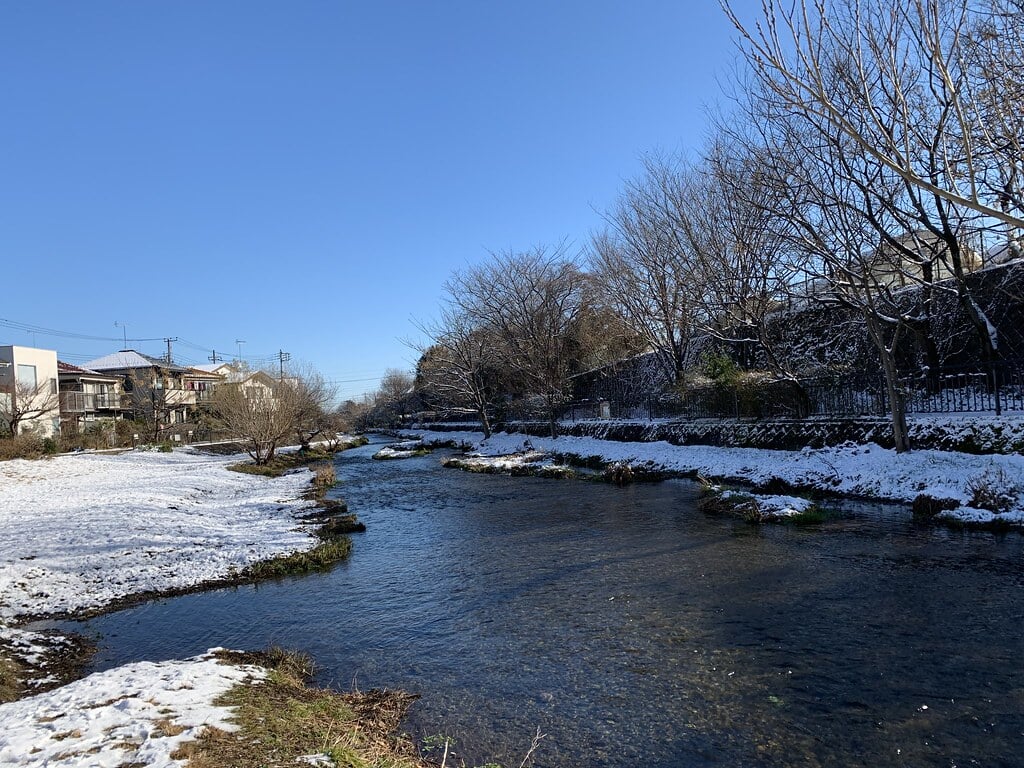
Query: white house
228	371
30	389
253	383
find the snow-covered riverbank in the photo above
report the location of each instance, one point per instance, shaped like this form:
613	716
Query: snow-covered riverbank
138	714
83	531
856	470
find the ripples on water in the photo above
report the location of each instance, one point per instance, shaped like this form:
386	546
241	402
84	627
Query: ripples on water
632	629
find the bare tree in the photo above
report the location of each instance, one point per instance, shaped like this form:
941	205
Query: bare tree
393	400
643	266
150	404
743	258
459	366
255	416
831	214
264	414
395	385
532	304
22	401
352	415
888	132
904	82
311	397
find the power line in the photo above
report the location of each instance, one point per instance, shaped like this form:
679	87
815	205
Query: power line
259	360
28	328
353	381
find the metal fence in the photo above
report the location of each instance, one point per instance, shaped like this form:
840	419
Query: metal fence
967	391
995	390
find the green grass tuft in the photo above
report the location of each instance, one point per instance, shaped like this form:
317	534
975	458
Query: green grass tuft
809	516
319	558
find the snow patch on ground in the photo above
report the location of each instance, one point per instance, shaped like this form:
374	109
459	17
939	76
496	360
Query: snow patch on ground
82	531
509	462
975	516
138	714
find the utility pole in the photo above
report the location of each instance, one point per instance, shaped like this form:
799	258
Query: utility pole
239	342
124	331
282	358
168	342
215	358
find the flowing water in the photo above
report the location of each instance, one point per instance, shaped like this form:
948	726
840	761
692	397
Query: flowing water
634	630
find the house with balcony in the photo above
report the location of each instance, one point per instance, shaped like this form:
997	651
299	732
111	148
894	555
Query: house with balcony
87	397
29	391
156	390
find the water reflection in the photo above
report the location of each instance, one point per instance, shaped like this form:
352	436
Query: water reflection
631	628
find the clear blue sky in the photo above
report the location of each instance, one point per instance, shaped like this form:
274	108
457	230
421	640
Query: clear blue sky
304	175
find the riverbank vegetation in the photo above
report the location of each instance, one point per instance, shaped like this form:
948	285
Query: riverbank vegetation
760	508
331	515
560	465
407	449
321	557
287	461
281	720
526	464
9	675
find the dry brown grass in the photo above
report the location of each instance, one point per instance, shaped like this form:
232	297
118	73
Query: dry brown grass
282	718
324	478
9	687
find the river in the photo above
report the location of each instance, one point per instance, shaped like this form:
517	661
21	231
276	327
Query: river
634	630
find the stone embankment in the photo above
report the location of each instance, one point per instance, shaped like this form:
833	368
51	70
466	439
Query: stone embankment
964	433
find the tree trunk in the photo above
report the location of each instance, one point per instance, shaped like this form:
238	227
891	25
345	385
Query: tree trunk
897	409
897	403
803	399
552	418
485	422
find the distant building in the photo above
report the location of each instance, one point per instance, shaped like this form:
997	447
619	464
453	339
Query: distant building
228	371
915	254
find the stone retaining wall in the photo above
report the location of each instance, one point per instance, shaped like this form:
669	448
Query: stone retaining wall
980	435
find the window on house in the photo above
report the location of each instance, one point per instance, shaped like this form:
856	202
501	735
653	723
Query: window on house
27	376
53	386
